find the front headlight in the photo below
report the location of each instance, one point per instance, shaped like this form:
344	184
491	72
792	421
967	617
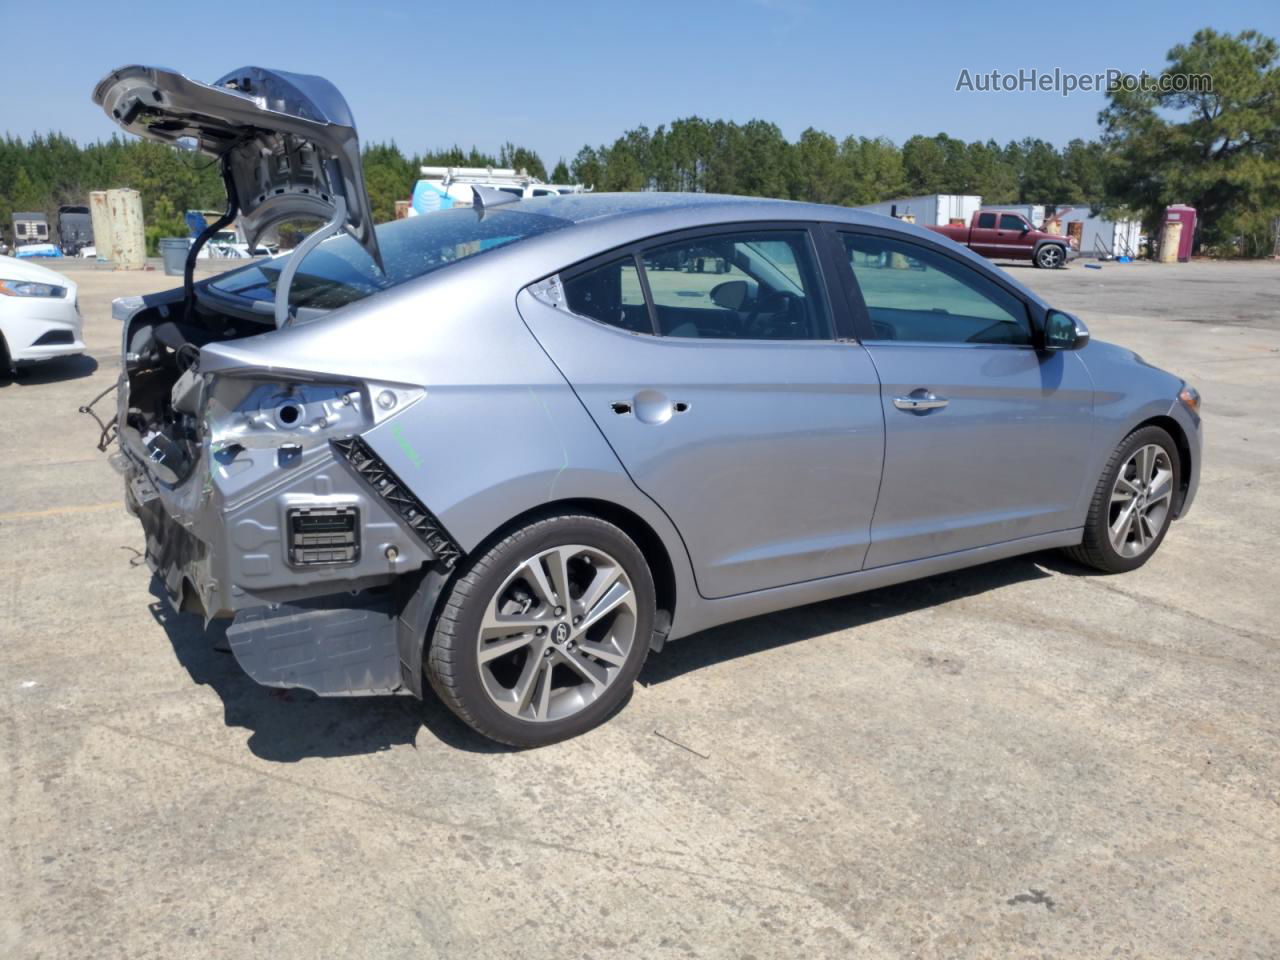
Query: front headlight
1190	398
29	288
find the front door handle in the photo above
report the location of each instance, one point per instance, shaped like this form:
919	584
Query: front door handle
920	401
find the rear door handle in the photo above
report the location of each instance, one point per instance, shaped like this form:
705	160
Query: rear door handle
649	406
920	401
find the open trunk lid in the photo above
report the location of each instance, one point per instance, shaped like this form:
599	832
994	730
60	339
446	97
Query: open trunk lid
287	141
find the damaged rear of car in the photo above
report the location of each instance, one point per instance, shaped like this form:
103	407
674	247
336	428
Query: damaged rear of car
244	460
508	451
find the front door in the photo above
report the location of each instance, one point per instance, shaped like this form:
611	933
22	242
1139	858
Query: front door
1008	242
986	437
710	365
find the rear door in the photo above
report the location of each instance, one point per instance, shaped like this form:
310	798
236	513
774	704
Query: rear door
986	437
982	238
712	363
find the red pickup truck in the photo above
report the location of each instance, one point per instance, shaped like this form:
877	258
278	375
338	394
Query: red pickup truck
1000	235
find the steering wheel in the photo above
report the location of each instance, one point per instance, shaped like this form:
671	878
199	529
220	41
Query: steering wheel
772	304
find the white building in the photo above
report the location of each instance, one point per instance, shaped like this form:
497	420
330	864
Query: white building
1100	236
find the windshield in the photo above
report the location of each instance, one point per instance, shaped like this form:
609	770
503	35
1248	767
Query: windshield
339	271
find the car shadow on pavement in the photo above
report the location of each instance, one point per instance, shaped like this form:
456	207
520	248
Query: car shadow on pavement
50	371
747	637
291	725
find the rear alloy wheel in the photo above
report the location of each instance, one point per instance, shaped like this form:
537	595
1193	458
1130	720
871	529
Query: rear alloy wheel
1050	256
1132	505
542	637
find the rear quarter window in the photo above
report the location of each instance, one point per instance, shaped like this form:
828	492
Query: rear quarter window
610	294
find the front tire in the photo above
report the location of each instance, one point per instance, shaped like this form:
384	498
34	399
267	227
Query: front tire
1132	505
1051	256
543	634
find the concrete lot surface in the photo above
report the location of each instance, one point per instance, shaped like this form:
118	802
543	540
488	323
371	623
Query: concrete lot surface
1020	760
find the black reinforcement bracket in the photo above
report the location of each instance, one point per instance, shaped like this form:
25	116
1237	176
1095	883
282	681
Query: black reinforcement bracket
402	501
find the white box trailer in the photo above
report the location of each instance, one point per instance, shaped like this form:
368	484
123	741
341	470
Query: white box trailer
935	209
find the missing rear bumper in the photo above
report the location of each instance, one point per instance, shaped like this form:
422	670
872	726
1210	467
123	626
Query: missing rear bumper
336	646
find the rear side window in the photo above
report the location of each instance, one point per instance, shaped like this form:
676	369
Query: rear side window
987	220
757	285
610	294
916	294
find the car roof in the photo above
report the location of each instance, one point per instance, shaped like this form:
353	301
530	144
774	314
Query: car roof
695	207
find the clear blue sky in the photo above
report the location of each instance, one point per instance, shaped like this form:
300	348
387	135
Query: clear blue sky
555	76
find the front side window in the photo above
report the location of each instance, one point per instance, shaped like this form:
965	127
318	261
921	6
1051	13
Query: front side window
1009	221
754	285
610	294
914	293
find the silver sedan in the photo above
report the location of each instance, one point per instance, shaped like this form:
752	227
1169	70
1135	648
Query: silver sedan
509	450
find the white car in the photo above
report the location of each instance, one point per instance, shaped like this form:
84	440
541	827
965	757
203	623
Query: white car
39	316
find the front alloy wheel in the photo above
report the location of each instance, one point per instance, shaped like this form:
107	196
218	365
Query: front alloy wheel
542	635
1140	501
1050	256
1132	504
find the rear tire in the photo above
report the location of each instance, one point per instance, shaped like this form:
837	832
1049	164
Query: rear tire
521	664
1132	505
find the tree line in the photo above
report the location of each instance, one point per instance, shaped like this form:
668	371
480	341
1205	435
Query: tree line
691	154
1217	150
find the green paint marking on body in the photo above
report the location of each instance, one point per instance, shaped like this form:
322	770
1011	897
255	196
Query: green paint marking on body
564	451
406	446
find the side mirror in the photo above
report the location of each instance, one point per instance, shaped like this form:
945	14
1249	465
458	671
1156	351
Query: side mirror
731	294
1062	331
1026	228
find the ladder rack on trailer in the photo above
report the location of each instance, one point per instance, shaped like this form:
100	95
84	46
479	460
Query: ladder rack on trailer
444	187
